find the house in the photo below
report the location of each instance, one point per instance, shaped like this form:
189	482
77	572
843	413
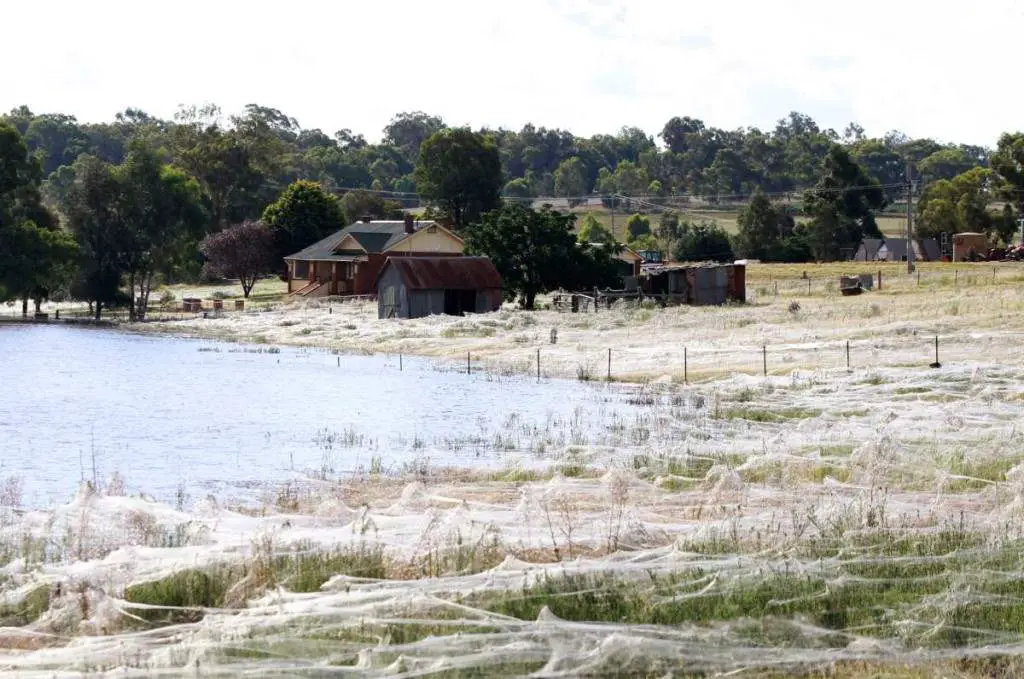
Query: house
413	287
348	262
868	250
630	261
697	284
895	250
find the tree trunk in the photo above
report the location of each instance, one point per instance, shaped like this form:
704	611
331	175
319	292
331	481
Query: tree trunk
131	297
145	285
39	304
24	305
99	309
528	300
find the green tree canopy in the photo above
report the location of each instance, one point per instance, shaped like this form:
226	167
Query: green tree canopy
536	251
842	206
759	228
571	178
301	216
961	204
35	256
460	172
637	226
704	241
593	231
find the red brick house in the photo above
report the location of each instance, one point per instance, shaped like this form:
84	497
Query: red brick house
349	261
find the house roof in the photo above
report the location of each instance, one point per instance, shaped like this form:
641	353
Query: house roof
373	237
445	273
930	249
871	246
897	247
626	253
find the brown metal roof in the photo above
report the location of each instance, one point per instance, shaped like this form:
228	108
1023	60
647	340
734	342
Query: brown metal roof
445	273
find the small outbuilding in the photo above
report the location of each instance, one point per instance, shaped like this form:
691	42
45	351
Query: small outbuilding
697	284
413	287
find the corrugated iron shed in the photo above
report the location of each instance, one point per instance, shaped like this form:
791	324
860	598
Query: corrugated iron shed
445	273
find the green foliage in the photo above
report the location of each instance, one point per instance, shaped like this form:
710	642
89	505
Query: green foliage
360	203
841	204
961	204
638	225
1008	163
536	251
35	257
593	231
460	172
571	178
301	216
705	241
517	188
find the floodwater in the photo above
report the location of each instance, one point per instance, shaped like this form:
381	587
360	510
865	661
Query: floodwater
186	418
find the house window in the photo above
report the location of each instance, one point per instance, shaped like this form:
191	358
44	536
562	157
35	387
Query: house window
301	270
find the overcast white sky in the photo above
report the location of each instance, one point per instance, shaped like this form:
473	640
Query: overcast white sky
941	69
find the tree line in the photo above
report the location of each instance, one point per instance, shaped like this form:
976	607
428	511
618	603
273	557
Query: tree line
104	211
241	160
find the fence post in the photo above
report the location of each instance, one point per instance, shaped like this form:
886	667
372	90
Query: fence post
399	362
847	354
879	279
686	377
764	359
609	364
936	364
956	276
538	366
469	369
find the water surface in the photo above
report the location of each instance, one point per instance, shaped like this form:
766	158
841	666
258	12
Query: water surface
169	413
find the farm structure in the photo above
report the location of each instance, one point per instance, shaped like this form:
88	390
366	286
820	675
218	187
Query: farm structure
349	261
696	284
413	287
896	249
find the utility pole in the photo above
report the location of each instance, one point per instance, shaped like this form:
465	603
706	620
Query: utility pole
910	217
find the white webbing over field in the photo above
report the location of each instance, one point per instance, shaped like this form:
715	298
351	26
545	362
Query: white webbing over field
710	492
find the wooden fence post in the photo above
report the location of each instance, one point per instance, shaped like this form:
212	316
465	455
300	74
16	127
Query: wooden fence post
764	359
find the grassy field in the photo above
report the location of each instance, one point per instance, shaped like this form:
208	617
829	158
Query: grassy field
817	521
889	225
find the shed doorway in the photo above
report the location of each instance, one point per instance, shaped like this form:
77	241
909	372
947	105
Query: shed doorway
458	302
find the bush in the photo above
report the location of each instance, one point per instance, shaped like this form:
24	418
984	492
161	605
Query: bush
706	241
637	226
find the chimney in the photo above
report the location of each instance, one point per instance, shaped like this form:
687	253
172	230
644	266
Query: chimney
410	223
367	219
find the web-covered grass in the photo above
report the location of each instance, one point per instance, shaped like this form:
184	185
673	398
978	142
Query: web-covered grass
819	523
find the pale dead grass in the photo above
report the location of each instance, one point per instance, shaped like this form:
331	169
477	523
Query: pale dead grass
968	308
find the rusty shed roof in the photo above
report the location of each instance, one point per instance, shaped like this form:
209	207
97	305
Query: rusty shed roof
445	273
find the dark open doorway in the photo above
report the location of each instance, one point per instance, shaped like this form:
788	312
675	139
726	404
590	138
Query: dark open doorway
458	302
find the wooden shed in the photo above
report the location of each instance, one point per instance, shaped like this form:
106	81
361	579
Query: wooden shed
413	287
697	284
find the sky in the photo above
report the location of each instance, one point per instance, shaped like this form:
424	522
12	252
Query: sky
929	69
